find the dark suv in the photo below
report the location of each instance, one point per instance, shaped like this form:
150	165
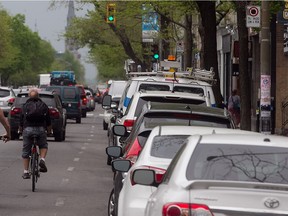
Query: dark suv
71	101
56	111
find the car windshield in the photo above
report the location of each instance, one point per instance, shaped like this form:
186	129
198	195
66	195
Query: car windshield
239	163
162	99
167	146
4	93
155	119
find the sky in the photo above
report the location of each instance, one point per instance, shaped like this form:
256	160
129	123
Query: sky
50	24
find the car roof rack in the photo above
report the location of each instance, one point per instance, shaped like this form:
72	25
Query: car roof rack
195	74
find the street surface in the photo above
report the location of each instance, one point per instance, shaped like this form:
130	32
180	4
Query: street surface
78	181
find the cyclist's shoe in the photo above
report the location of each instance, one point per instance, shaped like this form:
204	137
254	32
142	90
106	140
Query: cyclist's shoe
42	165
26	176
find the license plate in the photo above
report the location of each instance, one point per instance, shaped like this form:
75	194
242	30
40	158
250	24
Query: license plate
1	103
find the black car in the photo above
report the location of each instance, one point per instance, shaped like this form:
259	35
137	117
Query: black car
156	114
56	111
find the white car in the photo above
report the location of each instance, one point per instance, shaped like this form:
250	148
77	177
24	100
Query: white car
222	175
161	146
161	82
7	98
142	97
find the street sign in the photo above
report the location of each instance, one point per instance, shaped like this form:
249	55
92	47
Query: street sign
253	18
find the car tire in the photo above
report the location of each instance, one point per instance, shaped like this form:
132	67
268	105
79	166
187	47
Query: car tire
84	114
105	125
111	204
78	120
58	136
14	135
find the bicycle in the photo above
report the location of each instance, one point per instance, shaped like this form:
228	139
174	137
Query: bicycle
34	162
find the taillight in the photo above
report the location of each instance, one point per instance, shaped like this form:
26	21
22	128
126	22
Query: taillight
54	113
11	100
159	173
84	101
128	123
15	111
183	209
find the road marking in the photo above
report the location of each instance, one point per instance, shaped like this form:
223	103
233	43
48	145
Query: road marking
93	126
64	181
81	152
83	148
60	201
76	159
90	114
92	135
86	144
70	169
89	139
101	114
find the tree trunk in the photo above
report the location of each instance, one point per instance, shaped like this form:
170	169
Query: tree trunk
245	92
188	41
208	16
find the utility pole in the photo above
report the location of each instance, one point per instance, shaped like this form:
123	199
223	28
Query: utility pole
265	82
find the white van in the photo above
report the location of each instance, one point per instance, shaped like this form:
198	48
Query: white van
162	83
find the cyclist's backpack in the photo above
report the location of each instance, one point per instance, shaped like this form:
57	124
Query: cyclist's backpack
35	110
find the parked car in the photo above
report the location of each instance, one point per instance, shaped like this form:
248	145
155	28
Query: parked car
7	97
160	82
71	100
83	100
160	148
115	90
57	113
222	175
98	96
154	114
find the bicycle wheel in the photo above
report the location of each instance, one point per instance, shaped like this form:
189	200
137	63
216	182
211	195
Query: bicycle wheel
34	170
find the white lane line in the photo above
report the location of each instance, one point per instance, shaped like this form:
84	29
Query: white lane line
93	126
64	181
101	114
90	114
92	135
83	148
60	201
70	169
81	152
76	159
89	139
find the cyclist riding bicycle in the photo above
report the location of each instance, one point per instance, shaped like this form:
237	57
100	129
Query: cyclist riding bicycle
34	120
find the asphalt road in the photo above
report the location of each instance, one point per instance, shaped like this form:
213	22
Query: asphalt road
78	181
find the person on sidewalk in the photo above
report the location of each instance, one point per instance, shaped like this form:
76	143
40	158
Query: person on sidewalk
234	107
7	136
34	120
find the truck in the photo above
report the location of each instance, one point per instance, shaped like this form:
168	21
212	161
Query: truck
62	78
44	80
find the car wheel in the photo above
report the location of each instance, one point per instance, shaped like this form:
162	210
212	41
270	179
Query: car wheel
111	204
14	135
58	136
84	114
78	120
105	125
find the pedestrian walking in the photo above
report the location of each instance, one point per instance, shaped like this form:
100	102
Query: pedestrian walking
234	107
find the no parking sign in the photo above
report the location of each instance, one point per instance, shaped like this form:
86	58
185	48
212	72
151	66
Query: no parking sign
253	18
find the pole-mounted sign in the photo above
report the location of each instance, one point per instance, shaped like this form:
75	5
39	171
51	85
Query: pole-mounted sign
253	18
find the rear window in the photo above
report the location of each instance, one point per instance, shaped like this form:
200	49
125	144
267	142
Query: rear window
56	90
239	163
154	87
154	119
4	93
186	89
69	93
47	99
144	100
167	146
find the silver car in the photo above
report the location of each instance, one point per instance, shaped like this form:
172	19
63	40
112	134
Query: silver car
7	97
220	175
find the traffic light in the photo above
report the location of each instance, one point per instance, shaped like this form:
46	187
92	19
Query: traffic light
110	13
155	52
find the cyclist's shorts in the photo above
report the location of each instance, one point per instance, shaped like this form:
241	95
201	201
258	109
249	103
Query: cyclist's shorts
27	141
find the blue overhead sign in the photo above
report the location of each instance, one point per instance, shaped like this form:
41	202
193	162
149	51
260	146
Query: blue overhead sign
150	25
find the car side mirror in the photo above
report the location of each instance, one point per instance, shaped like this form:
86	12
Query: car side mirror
106	102
119	130
121	165
114	151
144	177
